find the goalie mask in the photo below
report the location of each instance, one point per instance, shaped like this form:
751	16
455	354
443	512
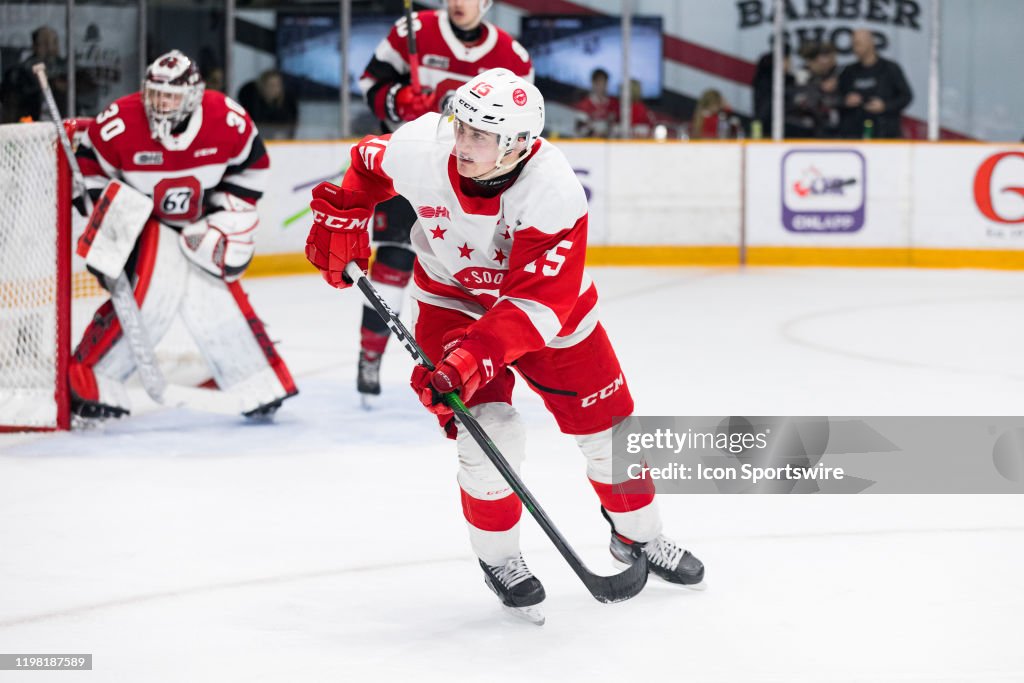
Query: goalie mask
496	118
171	91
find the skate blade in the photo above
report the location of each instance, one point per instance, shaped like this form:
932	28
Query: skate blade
702	586
367	401
532	614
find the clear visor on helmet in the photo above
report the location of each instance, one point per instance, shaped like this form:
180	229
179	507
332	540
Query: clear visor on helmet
478	153
474	146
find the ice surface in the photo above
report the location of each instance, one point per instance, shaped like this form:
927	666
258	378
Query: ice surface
176	546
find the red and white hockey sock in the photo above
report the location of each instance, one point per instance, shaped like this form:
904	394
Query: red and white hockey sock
629	502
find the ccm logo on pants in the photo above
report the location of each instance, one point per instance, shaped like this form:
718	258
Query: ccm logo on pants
604	393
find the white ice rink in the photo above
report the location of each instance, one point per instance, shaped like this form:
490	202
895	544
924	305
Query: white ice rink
330	546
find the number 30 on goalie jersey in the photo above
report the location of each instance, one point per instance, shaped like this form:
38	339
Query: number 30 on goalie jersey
218	150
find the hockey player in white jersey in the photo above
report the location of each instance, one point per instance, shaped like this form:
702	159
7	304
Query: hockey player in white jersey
455	44
499	280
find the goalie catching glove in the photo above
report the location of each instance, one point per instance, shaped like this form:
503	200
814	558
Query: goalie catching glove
222	242
339	235
470	361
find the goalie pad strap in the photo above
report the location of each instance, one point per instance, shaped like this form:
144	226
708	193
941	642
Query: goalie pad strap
114	226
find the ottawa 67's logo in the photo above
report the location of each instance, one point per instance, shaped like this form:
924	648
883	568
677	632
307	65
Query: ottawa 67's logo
178	200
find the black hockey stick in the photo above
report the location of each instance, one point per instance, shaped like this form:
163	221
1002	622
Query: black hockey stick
414	56
605	588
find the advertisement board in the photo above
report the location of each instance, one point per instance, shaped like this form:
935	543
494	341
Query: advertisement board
827	195
968	196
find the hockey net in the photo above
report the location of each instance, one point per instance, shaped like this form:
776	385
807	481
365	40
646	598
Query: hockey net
34	284
47	296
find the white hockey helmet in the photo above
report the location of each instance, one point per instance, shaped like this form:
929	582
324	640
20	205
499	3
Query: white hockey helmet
499	102
171	91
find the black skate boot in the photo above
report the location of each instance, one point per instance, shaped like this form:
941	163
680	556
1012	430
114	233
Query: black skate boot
264	413
665	558
518	589
368	377
91	414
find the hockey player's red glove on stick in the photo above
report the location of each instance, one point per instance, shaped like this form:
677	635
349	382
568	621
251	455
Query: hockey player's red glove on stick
339	235
470	361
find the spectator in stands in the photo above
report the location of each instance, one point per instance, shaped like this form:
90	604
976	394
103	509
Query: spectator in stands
20	90
816	100
763	74
873	89
713	118
214	78
641	119
598	111
270	106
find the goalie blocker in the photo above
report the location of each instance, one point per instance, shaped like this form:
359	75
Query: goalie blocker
193	274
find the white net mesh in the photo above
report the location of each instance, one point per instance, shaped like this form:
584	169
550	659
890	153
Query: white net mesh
28	285
28	275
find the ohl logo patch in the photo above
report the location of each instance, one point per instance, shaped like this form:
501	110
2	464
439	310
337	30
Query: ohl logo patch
433	212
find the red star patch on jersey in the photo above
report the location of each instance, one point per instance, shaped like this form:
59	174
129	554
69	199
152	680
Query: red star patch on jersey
464	250
438	233
499	256
507	235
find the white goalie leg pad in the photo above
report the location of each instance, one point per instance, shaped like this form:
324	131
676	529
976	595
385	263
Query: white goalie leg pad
112	392
222	243
115	224
642	524
227	341
481	479
161	271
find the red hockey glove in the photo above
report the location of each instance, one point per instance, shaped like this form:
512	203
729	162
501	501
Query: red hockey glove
338	235
410	104
470	361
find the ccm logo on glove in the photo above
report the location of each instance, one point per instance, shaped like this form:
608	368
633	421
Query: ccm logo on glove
335	222
339	234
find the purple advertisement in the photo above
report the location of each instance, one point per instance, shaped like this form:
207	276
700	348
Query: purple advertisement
823	190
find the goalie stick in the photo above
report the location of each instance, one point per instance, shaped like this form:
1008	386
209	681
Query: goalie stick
123	299
605	589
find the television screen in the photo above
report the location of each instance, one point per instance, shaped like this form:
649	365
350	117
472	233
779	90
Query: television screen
567	49
309	56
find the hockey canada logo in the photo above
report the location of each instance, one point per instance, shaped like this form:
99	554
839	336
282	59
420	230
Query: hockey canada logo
433	212
519	96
